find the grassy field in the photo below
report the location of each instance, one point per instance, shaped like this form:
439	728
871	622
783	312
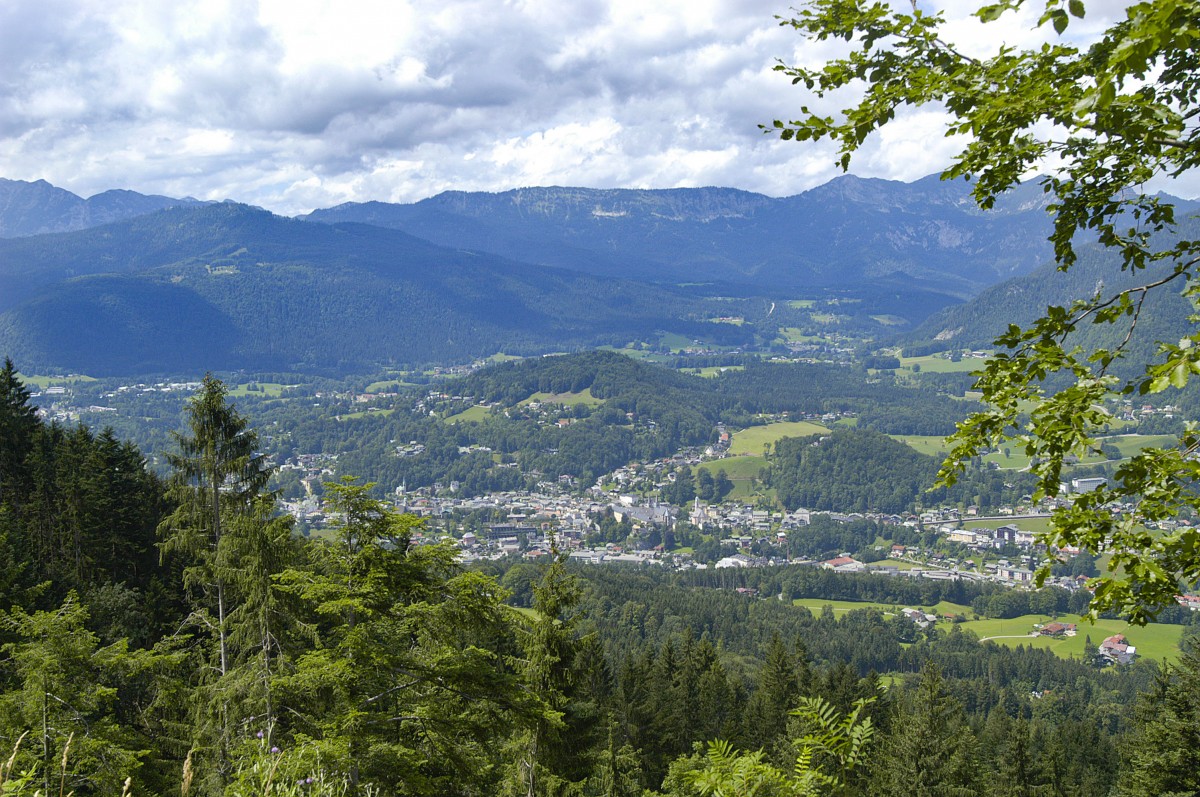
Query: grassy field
364	414
752	439
924	443
741	471
1130	444
475	413
675	341
713	371
1016	458
941	365
567	399
889	320
386	385
816	604
936	446
1037	524
743	467
49	381
1154	641
270	389
640	354
796	335
802	304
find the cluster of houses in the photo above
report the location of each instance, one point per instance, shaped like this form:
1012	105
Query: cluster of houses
1117	650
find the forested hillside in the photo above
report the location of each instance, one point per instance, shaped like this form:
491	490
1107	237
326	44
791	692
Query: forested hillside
227	287
637	411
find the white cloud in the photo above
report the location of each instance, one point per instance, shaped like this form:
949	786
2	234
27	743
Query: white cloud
294	104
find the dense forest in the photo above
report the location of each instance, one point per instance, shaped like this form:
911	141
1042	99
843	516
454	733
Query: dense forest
175	632
862	470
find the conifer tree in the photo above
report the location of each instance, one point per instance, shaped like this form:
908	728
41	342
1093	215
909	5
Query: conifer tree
930	751
217	486
1164	753
18	421
403	689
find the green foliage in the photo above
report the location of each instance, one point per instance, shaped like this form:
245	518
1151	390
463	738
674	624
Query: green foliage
1164	752
405	686
230	547
931	750
64	696
1112	116
829	754
861	470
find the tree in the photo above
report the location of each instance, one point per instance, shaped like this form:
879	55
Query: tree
218	488
18	422
554	755
1104	119
1164	752
64	695
403	688
930	750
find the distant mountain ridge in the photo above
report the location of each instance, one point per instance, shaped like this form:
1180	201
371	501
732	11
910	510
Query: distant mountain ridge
36	208
227	286
184	285
977	323
837	235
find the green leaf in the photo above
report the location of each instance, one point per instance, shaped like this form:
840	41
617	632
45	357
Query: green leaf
1179	375
1076	8
1060	21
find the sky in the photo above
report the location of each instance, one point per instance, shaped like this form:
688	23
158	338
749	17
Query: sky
297	104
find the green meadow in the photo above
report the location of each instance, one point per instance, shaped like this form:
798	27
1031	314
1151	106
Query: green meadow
567	399
1156	641
936	364
43	382
269	389
752	439
474	413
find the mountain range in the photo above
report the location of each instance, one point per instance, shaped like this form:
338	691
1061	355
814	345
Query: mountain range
34	208
928	233
123	283
228	286
974	324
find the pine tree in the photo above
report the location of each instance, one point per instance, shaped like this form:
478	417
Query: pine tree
403	688
18	422
1164	753
930	750
217	486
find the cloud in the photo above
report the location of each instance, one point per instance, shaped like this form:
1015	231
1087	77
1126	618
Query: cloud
294	104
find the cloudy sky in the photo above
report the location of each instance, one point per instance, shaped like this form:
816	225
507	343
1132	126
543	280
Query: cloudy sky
296	104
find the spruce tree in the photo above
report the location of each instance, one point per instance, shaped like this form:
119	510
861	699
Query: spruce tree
1164	752
18	422
217	487
930	751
